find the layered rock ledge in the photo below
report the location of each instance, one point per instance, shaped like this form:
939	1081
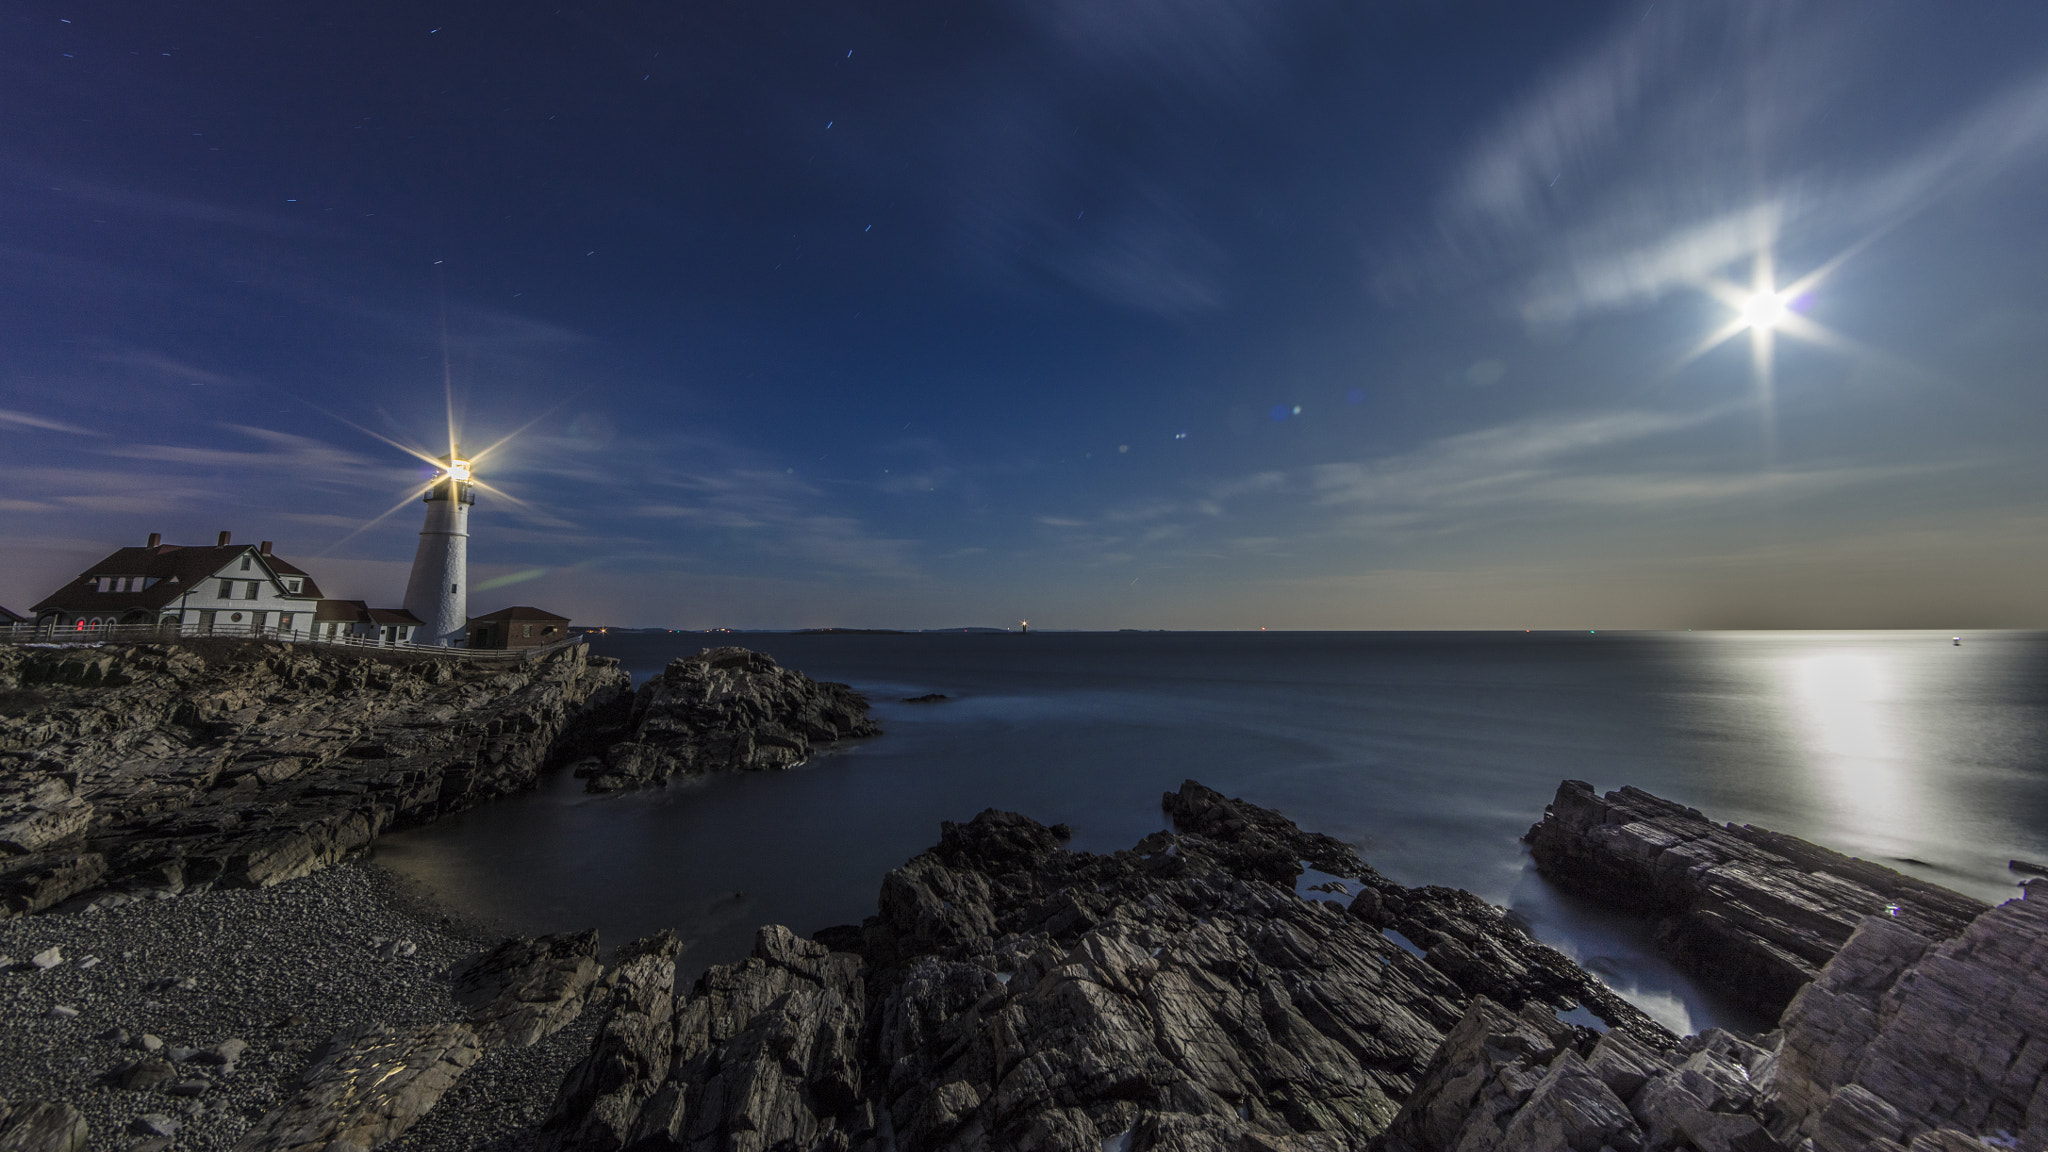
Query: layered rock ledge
1900	1045
1752	912
129	770
725	710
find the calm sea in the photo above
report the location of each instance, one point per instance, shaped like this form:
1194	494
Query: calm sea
1432	752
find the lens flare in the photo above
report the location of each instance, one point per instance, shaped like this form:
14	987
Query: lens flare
1765	310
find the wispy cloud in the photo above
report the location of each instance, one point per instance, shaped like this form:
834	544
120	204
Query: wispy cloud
1686	140
301	458
781	516
166	365
62	185
1567	476
42	423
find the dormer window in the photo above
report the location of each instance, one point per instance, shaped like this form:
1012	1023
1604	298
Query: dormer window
292	586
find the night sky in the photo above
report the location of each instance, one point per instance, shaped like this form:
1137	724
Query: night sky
1096	313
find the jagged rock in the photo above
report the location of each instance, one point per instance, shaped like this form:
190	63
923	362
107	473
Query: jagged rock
1903	1043
368	1086
1507	1082
47	958
147	1074
1462	936
602	1095
153	1124
1901	1037
1012	994
525	989
149	768
727	710
766	1047
42	1126
1750	911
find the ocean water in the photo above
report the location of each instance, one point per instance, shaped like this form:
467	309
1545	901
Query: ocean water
1431	752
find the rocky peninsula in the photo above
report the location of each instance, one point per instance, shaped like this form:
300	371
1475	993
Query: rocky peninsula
1197	991
725	710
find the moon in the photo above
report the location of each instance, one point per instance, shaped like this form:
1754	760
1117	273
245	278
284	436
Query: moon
1764	310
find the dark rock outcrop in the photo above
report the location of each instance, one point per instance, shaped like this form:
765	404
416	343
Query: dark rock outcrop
1750	911
1012	994
1504	1081
726	710
528	988
370	1085
41	1126
176	767
1461	936
603	1097
1899	1045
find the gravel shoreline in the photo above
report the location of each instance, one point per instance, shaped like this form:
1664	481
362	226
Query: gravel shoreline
280	969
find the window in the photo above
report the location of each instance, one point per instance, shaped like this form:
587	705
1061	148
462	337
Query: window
284	621
245	563
526	629
253	586
227	589
291	585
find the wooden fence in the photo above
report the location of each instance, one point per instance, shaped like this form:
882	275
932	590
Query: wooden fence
171	633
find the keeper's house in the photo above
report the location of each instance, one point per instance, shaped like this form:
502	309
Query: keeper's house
231	589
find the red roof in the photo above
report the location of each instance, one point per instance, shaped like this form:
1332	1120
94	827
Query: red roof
522	612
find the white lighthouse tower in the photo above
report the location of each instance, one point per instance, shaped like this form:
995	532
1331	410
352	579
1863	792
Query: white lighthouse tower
438	591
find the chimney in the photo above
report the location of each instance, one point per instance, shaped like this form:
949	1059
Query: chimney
223	540
155	538
264	547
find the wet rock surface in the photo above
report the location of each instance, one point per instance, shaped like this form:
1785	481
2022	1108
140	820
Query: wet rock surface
1753	912
132	770
1012	994
726	710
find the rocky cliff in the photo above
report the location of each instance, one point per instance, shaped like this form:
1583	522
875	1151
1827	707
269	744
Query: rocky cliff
132	769
726	710
1750	911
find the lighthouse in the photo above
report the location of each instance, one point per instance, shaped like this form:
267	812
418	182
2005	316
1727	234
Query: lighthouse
438	591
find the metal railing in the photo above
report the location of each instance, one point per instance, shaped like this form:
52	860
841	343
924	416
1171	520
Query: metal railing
171	633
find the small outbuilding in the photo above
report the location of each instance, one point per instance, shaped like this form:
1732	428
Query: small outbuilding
518	627
356	620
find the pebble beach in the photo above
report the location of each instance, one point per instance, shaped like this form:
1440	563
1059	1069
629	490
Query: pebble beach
278	969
